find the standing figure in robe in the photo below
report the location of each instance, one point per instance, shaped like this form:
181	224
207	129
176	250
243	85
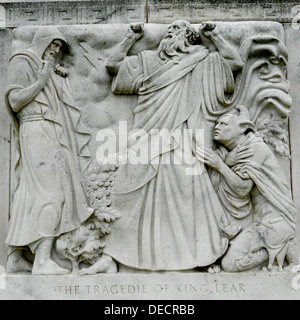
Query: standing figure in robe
170	219
49	199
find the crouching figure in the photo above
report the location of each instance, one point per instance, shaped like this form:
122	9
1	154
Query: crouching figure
250	181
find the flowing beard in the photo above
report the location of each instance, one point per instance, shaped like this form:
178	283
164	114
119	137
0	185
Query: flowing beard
171	47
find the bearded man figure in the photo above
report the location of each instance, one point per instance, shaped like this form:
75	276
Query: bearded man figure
170	218
49	199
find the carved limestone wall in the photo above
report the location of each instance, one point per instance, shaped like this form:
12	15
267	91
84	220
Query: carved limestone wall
45	12
149	136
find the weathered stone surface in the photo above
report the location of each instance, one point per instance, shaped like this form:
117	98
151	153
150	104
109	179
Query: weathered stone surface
90	54
47	12
111	88
73	12
166	286
2	16
5	169
196	11
293	44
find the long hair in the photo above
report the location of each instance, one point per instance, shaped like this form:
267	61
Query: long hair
173	45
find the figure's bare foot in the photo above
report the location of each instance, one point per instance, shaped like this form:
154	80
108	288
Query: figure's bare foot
105	264
214	268
277	269
48	267
17	263
271	268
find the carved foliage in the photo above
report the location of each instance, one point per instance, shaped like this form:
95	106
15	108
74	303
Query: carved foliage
273	130
85	244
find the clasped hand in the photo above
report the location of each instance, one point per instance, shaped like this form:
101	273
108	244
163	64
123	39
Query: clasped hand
238	155
209	157
212	159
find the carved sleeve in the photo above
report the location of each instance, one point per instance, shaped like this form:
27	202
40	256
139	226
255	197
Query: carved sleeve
130	76
19	78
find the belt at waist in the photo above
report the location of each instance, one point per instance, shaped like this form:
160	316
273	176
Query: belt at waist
34	117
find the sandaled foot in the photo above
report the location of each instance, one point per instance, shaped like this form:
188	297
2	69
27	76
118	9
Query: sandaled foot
104	265
48	267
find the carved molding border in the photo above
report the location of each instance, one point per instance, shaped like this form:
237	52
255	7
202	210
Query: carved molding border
197	11
15	14
64	13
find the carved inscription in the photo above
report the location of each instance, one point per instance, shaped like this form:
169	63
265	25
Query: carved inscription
180	289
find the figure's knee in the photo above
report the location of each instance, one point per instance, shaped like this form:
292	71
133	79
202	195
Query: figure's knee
228	263
49	220
231	262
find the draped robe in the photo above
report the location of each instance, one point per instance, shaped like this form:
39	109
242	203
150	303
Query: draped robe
270	200
49	199
170	219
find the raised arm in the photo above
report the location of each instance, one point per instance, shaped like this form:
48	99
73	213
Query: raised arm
226	50
19	98
114	61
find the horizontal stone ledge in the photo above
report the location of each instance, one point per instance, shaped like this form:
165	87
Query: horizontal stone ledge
54	12
153	286
197	11
15	14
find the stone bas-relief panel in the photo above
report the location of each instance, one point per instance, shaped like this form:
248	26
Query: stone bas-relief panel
146	148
